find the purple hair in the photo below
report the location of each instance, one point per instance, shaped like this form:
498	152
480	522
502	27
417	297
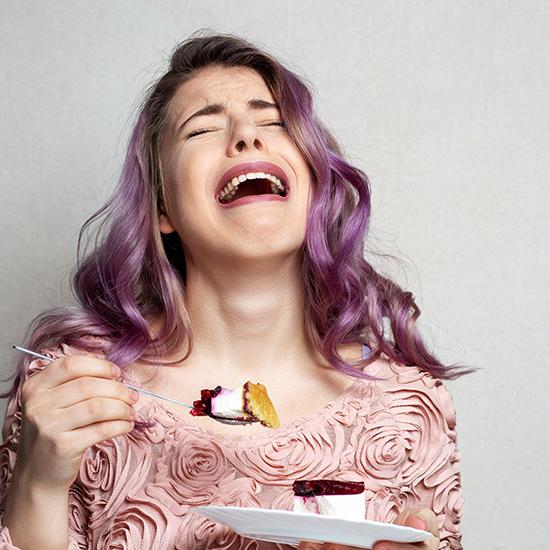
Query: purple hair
130	279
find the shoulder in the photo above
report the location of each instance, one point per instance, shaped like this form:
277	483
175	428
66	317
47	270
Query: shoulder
408	388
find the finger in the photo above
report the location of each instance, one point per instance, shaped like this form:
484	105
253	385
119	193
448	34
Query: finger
94	434
82	389
305	545
92	411
71	367
78	403
416	522
389	545
64	453
58	427
417	518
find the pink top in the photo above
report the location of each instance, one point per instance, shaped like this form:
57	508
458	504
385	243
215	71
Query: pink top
138	491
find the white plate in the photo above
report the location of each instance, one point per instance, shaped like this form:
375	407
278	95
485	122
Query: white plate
293	528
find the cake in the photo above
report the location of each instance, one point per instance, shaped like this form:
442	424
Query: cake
249	402
344	499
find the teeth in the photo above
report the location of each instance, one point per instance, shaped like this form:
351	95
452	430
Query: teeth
230	189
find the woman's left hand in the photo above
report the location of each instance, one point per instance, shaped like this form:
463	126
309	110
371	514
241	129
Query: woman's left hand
418	518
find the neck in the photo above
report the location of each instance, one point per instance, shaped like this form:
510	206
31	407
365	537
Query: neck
248	317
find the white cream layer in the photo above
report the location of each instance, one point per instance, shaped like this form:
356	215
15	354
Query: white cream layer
228	403
342	506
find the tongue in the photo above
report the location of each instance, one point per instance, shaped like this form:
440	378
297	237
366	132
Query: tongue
252	187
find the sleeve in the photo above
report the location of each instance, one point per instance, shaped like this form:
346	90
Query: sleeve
411	452
447	499
441	485
434	460
8	453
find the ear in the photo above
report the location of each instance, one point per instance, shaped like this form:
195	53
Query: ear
165	224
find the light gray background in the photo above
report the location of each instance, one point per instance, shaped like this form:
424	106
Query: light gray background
446	107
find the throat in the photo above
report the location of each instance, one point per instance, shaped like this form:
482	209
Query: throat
251	187
254	187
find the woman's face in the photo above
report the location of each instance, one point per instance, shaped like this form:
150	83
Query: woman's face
236	186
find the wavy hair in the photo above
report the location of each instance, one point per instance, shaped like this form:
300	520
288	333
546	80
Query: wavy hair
129	275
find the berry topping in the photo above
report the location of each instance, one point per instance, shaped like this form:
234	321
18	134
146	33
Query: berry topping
202	407
326	487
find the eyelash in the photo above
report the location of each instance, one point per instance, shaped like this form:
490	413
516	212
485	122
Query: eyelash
198	132
279	123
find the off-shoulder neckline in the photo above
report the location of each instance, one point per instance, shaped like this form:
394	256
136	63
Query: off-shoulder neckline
159	408
284	430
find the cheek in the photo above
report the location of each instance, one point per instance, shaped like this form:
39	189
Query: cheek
176	187
300	165
189	172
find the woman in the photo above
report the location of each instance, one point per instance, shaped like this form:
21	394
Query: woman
200	279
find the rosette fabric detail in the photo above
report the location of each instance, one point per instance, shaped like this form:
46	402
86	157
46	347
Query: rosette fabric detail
396	434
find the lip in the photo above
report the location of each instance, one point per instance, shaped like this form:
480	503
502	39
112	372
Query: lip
252	166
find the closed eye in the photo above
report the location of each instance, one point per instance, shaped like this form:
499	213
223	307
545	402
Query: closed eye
199	132
279	123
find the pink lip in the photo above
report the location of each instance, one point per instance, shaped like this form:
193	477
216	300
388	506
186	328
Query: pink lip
252	166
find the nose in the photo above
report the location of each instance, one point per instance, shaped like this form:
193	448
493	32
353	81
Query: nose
246	136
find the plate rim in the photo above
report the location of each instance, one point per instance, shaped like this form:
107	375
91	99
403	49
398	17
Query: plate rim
312	517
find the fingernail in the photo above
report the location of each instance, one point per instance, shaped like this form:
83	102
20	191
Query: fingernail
117	373
134	395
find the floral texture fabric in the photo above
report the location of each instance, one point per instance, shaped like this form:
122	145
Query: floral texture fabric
137	492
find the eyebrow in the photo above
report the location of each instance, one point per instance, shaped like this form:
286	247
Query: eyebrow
254	104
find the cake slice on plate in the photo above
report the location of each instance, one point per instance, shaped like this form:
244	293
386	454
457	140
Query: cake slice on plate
344	499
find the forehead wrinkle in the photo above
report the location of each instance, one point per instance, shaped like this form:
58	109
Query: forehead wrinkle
253	104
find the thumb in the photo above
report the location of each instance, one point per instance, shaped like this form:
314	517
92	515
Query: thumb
419	518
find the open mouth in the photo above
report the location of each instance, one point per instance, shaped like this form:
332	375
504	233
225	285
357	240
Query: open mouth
252	183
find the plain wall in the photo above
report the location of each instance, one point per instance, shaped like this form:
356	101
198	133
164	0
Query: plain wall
445	105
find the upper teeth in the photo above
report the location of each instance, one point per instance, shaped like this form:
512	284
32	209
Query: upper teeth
231	188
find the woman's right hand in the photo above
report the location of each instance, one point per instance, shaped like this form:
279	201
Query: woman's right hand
72	404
